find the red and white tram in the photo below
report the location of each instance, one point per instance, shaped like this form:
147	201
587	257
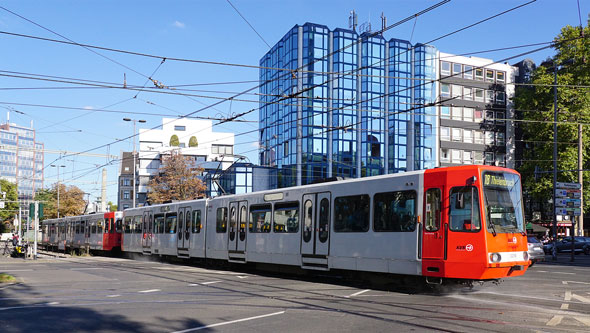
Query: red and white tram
463	223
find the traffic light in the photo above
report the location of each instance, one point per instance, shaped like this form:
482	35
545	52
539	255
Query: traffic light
32	211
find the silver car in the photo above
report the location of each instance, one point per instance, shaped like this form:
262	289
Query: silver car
535	251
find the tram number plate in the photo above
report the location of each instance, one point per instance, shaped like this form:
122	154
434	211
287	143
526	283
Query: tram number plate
512	255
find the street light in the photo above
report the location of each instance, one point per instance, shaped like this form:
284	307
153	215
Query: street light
58	166
134	163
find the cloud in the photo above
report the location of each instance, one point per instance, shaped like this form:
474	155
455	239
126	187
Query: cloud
178	24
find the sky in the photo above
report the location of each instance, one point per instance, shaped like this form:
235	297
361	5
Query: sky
36	75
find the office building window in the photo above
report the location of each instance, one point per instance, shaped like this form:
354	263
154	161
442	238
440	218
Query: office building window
479	74
456	156
478	157
457	135
500	97
445	112
467	136
445	68
467	157
500	77
179	128
500	118
457	70
489	75
445	90
467	114
444	155
500	160
489	158
490	116
445	133
489	138
468	72
456	91
468	93
500	138
478	95
478	115
126	195
478	137
457	113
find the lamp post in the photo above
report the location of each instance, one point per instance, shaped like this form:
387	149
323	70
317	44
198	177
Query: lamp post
58	166
134	163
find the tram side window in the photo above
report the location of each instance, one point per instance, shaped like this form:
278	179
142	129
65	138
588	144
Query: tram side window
137	221
118	226
432	211
77	227
100	224
395	211
464	206
93	228
260	216
221	220
111	226
197	221
158	223
127	225
171	223
286	217
351	214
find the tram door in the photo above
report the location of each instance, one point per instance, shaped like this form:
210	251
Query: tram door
433	233
238	218
146	231
184	227
87	232
315	234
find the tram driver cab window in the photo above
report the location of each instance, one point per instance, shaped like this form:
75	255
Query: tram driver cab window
464	209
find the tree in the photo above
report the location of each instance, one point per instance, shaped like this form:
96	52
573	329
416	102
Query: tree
192	142
535	102
71	201
177	179
112	206
174	141
10	201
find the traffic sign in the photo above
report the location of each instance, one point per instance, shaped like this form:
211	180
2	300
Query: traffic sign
573	186
1	204
568	203
572	194
568	211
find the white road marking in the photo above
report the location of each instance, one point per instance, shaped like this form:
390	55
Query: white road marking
554	321
242	276
358	293
565	306
17	270
113	296
565	273
85	268
193	284
229	322
210	282
579	282
149	291
53	303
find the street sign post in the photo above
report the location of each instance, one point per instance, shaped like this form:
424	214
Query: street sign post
567	202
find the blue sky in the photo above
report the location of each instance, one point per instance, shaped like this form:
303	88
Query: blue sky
210	31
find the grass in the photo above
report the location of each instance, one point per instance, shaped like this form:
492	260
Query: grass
5	278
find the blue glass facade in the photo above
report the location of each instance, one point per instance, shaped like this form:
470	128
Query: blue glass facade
336	103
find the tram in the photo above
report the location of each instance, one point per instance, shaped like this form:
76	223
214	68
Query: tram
461	223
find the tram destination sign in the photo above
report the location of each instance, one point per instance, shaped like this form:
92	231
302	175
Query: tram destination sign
568	211
572	194
569	186
568	203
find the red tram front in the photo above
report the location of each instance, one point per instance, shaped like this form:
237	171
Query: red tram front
111	239
473	223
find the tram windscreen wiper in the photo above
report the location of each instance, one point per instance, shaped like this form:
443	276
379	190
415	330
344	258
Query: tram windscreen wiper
491	223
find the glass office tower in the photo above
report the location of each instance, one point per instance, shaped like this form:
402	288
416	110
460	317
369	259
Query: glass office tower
343	104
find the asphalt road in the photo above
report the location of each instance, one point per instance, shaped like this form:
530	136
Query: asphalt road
98	294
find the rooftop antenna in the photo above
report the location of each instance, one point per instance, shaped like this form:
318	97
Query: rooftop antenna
383	23
352	20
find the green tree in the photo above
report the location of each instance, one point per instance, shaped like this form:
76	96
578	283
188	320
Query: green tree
174	141
192	142
112	206
10	201
177	179
535	103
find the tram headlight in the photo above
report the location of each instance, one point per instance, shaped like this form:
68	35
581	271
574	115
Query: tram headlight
525	256
495	257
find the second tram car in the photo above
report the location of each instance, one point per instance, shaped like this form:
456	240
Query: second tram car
464	223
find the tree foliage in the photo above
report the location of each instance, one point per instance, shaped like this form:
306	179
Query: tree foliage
177	179
536	104
174	141
10	202
71	201
192	142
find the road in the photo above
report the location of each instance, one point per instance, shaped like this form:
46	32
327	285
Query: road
100	294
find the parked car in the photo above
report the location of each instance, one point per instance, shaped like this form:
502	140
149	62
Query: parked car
565	245
535	251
